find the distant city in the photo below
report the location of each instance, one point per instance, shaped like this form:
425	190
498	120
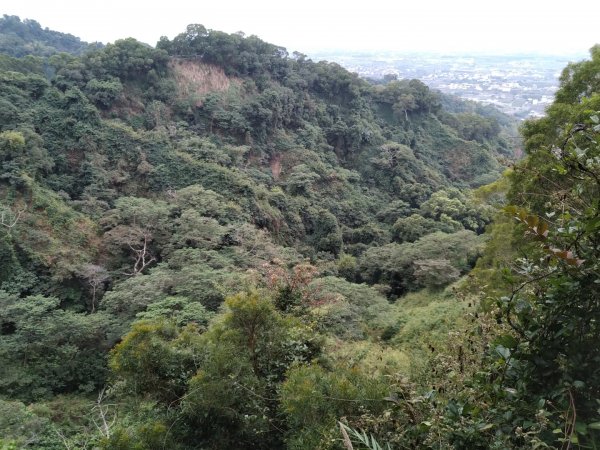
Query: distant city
520	85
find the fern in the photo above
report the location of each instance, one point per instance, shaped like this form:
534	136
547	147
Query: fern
360	437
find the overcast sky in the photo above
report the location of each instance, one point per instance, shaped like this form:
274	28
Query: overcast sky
497	26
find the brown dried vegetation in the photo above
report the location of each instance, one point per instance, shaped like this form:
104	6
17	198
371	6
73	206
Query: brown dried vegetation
195	79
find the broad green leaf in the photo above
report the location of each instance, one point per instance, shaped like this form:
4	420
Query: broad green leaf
503	351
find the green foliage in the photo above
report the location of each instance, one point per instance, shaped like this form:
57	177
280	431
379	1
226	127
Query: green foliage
20	38
432	261
146	436
142	189
313	398
20	157
422	319
324	233
452	207
179	309
156	358
539	377
226	399
415	226
270	342
228	402
103	93
127	59
350	310
362	438
473	127
579	81
44	242
19	425
49	350
241	56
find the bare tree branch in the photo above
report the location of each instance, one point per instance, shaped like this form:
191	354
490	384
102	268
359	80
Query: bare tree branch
10	222
143	257
102	410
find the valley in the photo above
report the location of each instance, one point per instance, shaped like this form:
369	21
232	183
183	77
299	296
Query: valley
519	85
211	244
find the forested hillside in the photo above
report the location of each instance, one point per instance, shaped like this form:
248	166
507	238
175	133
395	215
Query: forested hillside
212	244
21	38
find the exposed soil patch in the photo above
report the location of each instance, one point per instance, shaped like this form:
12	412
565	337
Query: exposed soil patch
195	79
276	166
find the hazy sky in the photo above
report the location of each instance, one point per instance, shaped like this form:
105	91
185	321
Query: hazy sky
496	26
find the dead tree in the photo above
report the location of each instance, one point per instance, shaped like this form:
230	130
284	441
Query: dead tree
142	256
9	219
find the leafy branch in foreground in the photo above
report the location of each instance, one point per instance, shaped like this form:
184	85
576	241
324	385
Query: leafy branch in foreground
360	437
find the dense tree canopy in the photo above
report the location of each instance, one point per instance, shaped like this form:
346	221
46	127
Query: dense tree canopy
215	244
27	37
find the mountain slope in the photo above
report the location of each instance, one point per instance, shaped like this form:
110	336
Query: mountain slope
159	200
21	38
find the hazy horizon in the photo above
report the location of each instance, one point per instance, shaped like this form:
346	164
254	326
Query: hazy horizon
427	26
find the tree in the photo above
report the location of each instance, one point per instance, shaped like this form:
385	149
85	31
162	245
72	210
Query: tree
21	153
96	277
313	399
9	218
223	382
127	59
414	227
133	227
157	358
324	232
435	273
553	307
394	264
579	80
404	104
47	350
235	399
543	373
103	92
